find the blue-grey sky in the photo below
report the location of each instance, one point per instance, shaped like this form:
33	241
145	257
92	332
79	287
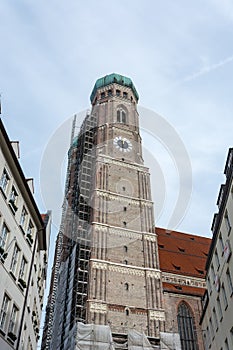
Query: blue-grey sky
179	55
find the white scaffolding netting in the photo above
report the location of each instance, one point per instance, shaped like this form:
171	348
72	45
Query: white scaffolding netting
138	341
94	337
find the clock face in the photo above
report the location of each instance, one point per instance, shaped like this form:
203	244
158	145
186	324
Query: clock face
122	144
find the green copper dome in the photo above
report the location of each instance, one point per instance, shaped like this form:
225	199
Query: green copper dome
113	78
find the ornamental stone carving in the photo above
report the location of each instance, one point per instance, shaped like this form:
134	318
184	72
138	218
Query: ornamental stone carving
98	307
153	273
150	237
158	315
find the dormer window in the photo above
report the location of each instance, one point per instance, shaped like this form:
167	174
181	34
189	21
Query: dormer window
177	267
102	95
110	92
125	94
118	93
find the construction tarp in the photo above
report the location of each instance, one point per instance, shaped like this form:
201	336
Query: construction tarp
138	341
170	341
94	337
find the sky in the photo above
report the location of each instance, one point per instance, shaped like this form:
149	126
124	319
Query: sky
179	55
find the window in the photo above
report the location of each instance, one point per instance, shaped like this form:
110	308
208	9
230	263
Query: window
4	310
13	319
126	285
211	328
219	308
224	296
102	94
23	217
125	94
3	236
125	248
127	312
208	285
227	222
30	228
215	319
186	326
216	259
14	259
125	262
226	344
118	92
212	273
4	180
229	281
22	268
125	208
221	242
121	116
231	332
124	223
109	92
13	199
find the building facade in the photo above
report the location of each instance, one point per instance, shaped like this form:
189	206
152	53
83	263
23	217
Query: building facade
109	271
107	279
182	259
217	321
24	243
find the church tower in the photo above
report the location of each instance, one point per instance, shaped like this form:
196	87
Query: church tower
108	270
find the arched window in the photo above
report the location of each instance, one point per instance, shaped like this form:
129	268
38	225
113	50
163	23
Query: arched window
121	116
186	326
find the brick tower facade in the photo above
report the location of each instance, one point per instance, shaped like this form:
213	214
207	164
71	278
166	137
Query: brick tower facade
106	270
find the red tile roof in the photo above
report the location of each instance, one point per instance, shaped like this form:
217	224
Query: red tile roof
182	253
189	290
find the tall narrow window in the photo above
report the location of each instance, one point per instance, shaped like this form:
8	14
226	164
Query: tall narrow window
231	332
216	259
211	328
13	319
30	228
226	345
212	273
13	199
229	281
227	222
219	308
22	269
23	217
215	319
3	236
224	296
186	327
4	180
221	242
14	259
4	310
121	116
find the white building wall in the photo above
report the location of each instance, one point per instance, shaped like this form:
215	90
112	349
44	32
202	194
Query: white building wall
217	323
21	289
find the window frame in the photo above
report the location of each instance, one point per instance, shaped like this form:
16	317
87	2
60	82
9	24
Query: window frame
4	310
4	181
186	326
3	237
14	259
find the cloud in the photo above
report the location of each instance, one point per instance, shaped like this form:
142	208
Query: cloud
207	69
